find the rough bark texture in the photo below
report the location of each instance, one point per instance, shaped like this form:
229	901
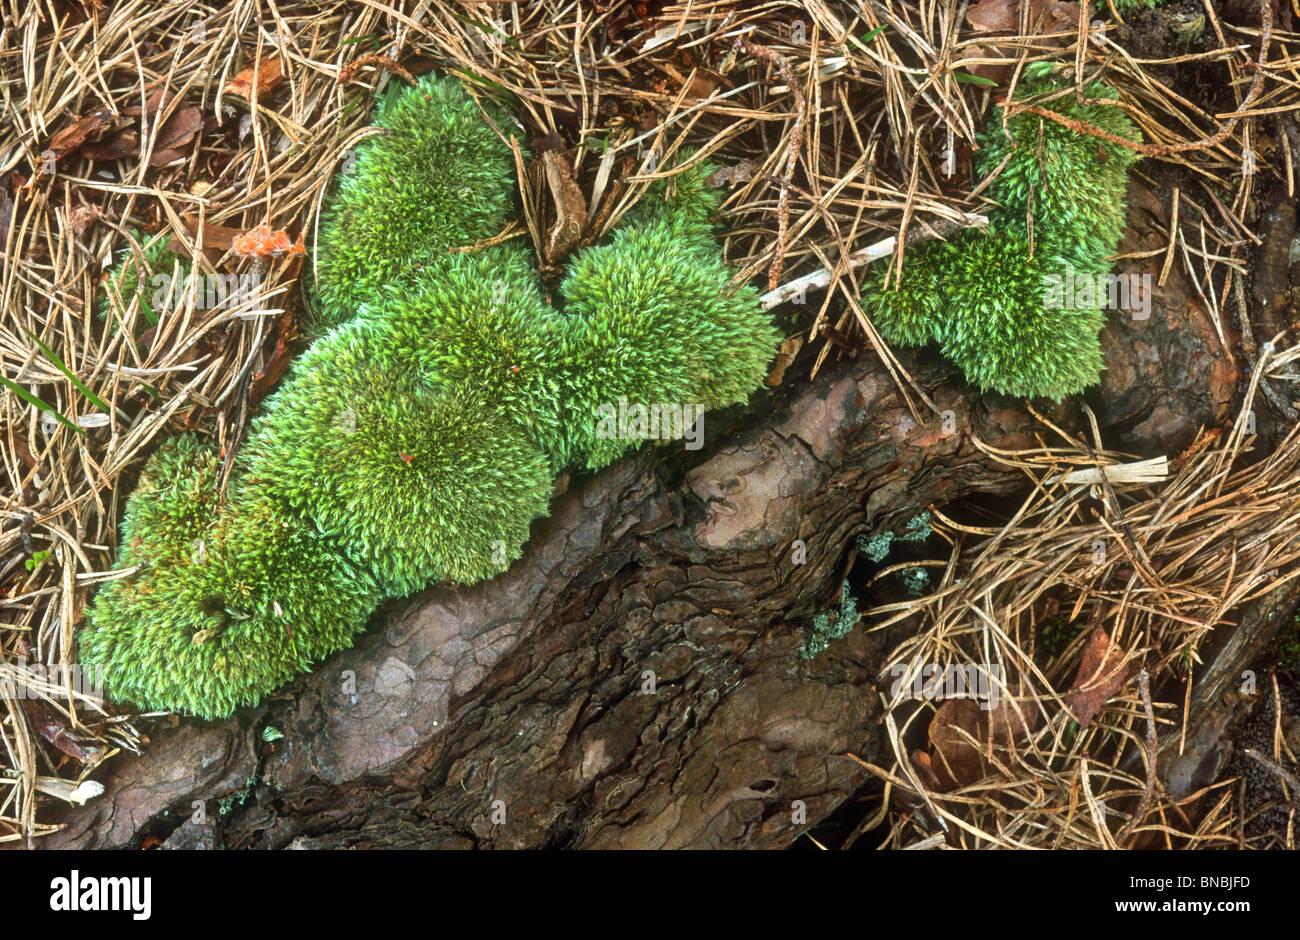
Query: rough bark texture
635	679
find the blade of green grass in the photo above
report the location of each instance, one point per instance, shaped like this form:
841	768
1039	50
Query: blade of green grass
72	377
862	43
38	403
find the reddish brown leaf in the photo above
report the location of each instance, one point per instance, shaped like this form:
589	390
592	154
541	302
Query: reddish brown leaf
1012	719
274	367
267	74
153	102
215	237
87	128
261	242
1003	16
282	353
124	143
54	728
1102	673
175	135
957	760
699	82
164	157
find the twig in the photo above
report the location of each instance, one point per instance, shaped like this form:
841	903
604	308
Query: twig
792	156
1153	742
882	249
1286	775
349	71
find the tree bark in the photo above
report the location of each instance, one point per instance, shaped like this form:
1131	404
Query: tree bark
635	680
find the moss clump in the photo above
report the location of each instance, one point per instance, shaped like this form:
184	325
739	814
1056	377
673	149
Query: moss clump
229	603
480	322
135	276
1008	339
420	483
1124	7
1070	187
653	319
437	177
907	305
416	439
987	298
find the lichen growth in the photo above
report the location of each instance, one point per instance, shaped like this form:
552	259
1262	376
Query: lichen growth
832	624
878	546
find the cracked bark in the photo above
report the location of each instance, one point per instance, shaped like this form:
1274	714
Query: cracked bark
635	680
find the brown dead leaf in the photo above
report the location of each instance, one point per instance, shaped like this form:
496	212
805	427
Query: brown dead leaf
957	760
790	347
1102	673
24	452
1012	719
175	135
570	207
53	727
699	82
267	74
158	97
1003	16
164	157
217	239
277	363
993	16
86	129
998	74
124	143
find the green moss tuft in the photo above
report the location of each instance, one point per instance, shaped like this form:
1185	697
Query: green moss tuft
988	297
654	320
227	605
133	276
1070	187
1002	334
906	306
480	322
1124	7
438	176
415	440
420	483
